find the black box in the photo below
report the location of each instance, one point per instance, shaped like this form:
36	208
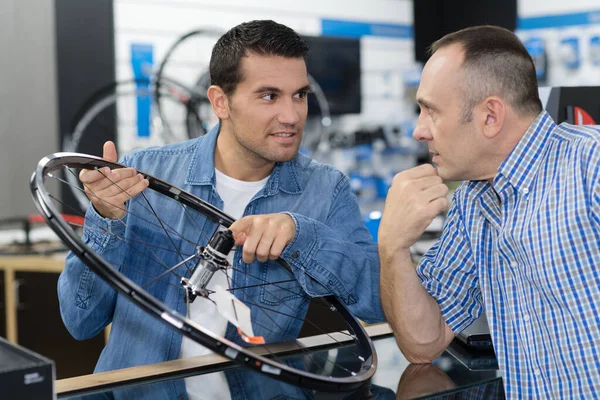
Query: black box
24	374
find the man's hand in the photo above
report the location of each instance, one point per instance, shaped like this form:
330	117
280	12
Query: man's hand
107	189
415	198
263	236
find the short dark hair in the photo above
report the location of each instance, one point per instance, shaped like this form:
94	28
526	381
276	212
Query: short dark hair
261	37
495	63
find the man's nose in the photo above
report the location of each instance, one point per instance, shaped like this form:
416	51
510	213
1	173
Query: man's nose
421	132
289	114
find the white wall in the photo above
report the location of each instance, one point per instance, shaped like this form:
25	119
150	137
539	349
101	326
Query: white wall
532	12
28	106
160	22
535	8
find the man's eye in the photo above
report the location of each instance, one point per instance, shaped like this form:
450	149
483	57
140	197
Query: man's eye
301	95
269	97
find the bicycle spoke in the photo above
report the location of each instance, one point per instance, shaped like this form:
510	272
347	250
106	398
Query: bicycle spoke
263	308
269	283
169	271
261	284
283	288
179	236
202	233
153	212
159	242
156	259
173	231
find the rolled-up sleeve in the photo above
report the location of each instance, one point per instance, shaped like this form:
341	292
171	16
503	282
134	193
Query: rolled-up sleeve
448	272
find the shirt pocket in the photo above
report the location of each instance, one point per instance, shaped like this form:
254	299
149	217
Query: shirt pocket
279	286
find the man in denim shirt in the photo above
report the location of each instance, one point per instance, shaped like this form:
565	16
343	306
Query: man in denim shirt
305	212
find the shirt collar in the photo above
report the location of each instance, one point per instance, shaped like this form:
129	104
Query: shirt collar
285	175
521	166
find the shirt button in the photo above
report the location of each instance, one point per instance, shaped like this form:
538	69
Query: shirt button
525	191
536	372
526	317
514	264
295	254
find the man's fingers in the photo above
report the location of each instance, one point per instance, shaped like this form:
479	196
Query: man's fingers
91	176
241	232
121	173
254	237
428	181
415	185
108	188
440	204
109	207
435	192
241	225
125	193
115	197
240	238
263	236
249	249
109	151
264	247
277	247
418	172
123	186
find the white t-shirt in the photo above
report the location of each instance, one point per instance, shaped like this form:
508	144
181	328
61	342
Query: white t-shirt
235	195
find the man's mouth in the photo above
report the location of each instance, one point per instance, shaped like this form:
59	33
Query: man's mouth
283	134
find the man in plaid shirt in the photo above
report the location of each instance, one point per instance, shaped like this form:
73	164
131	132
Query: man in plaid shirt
523	231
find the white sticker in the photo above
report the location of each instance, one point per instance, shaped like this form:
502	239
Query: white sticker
270	370
231	353
167	317
33	377
234	311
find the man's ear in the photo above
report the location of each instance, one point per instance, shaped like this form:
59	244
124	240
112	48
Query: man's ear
492	114
219	101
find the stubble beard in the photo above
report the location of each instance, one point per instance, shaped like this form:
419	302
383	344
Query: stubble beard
258	152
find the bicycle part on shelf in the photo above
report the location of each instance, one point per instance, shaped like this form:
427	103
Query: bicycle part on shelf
96	115
31	236
188	59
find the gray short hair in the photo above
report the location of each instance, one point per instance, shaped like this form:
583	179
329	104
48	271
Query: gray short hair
495	64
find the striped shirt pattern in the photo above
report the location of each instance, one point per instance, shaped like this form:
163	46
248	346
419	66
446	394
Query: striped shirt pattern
527	246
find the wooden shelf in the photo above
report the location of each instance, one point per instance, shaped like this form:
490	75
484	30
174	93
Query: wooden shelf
13	264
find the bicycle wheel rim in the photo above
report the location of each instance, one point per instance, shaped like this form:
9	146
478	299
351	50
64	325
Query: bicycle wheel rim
109	96
161	77
258	360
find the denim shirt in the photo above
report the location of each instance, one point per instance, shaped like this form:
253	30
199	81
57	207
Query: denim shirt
331	253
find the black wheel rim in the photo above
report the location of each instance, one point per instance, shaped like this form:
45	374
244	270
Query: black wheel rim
257	358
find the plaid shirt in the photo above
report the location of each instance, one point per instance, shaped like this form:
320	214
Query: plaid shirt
527	246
